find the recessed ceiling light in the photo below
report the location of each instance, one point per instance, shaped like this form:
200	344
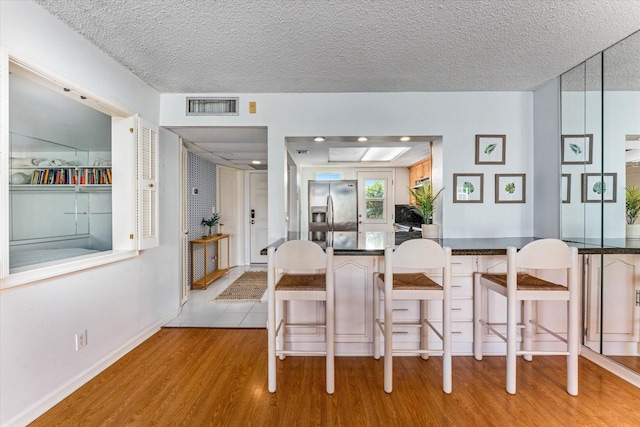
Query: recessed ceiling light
405	138
255	162
319	139
363	139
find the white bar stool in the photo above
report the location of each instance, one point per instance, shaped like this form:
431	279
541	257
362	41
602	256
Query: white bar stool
299	271
406	277
521	289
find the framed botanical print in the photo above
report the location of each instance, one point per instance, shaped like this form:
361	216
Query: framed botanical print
511	188
577	149
468	187
596	187
490	149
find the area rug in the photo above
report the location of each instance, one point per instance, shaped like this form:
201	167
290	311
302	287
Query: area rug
247	288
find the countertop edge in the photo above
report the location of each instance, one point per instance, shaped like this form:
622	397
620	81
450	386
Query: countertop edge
462	251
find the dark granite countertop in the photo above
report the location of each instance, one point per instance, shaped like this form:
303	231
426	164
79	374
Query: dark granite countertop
372	243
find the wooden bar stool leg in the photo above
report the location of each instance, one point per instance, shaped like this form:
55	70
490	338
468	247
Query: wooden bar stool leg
376	320
424	329
283	330
271	326
512	321
447	365
477	315
388	327
573	327
527	333
330	331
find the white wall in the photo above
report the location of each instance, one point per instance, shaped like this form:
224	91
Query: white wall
458	117
546	170
120	304
401	184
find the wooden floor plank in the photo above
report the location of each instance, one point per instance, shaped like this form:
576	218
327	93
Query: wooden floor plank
218	377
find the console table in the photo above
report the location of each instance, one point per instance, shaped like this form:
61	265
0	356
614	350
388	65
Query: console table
209	277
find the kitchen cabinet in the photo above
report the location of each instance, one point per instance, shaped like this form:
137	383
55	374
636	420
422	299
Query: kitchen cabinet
408	338
353	310
613	279
354	307
551	314
420	170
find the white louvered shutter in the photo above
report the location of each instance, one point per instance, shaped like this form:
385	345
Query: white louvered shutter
147	177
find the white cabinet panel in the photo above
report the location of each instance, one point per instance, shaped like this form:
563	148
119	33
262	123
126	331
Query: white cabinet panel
614	304
354	296
304	312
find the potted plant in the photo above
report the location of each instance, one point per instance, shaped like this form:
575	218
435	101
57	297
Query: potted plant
424	205
632	210
211	221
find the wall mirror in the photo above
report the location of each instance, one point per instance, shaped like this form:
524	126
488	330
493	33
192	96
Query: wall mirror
600	159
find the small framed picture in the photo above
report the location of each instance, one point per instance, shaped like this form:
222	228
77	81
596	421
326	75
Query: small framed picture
511	188
468	187
596	188
490	149
565	187
576	149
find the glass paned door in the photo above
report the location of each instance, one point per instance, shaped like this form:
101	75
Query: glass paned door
376	201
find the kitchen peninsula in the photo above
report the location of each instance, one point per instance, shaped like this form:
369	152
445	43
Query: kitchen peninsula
359	254
373	243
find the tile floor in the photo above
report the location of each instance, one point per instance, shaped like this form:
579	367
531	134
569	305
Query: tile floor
201	311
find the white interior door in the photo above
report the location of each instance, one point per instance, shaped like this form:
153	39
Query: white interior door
375	201
228	207
258	215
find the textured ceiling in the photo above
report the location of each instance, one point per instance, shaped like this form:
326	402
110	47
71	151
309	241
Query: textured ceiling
298	46
253	46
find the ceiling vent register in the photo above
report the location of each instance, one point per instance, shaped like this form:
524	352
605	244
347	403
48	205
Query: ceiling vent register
212	106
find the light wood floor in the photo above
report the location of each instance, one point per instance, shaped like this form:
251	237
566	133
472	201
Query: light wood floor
218	377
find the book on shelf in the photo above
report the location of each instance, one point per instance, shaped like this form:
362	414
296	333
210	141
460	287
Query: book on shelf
66	176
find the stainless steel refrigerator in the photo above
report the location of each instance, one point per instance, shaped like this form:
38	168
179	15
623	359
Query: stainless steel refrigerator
333	206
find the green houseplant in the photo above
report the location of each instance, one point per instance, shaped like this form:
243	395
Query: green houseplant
424	205
632	210
211	221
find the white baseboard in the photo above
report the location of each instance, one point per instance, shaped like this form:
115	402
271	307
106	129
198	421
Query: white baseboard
611	366
43	405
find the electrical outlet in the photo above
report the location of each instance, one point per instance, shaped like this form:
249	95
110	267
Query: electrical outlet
81	340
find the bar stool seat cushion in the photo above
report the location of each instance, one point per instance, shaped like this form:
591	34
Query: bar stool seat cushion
412	281
526	282
302	282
